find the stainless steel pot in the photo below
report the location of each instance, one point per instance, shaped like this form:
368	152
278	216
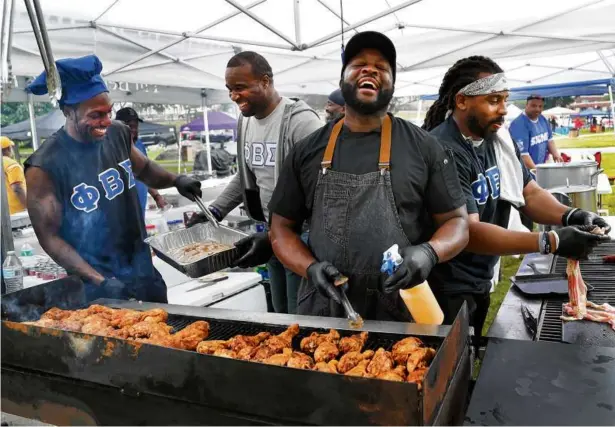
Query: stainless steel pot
580	196
553	175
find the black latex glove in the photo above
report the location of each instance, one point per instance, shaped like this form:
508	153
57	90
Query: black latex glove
200	217
188	187
254	250
580	217
577	242
416	266
322	275
113	288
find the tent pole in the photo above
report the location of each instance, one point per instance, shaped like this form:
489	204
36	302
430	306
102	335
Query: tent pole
418	111
612	107
32	121
297	17
206	130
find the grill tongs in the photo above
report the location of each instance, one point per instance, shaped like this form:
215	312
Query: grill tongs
354	319
210	216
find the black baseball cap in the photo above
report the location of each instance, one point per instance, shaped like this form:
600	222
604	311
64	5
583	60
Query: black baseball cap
370	40
127	114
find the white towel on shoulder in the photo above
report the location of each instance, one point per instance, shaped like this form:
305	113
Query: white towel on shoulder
511	173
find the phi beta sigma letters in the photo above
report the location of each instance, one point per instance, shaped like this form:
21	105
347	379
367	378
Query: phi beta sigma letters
85	197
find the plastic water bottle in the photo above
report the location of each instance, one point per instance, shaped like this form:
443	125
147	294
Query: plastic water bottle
27	250
12	271
419	299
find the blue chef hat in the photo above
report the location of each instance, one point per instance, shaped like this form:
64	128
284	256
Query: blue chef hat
80	79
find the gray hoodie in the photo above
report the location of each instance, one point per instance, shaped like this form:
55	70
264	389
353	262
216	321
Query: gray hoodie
297	121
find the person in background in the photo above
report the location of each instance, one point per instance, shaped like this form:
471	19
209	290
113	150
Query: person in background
14	178
365	182
334	109
532	132
82	197
131	119
467	118
553	123
269	126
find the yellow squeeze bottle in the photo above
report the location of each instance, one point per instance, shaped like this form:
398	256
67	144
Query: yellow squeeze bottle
420	300
422	304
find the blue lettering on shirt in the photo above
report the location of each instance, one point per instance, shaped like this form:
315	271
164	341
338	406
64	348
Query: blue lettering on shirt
112	183
483	188
532	138
127	166
85	197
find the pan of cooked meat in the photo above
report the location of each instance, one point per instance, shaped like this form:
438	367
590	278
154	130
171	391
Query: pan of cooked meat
199	250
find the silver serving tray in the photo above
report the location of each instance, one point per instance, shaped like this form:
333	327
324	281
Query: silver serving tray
163	244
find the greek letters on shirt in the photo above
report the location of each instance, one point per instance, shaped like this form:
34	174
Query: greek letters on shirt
86	197
487	186
260	154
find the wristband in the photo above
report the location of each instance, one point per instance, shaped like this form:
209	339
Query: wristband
216	212
556	240
544	244
567	215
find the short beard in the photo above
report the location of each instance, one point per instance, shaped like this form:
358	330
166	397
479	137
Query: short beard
349	91
477	129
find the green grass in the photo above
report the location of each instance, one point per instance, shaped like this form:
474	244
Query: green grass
508	268
594	141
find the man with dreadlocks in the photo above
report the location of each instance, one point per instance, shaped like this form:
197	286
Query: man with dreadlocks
365	182
467	118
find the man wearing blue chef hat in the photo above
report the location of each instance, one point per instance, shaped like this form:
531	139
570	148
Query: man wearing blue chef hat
82	197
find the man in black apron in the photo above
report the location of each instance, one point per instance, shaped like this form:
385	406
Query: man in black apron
364	183
466	118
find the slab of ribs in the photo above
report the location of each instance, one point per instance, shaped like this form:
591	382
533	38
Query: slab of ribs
578	308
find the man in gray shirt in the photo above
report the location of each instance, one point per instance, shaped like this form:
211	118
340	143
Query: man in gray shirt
269	126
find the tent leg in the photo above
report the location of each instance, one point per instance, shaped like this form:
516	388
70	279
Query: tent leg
418	111
206	130
612	107
32	122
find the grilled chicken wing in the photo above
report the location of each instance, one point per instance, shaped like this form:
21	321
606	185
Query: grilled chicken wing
148	330
210	347
353	343
239	342
262	352
403	348
124	318
329	367
420	358
189	337
284	340
56	313
300	361
225	352
310	344
352	359
397	374
96	325
326	351
381	362
156	315
360	370
280	359
417	377
44	323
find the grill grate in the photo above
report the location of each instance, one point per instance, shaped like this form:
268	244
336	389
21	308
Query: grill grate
226	329
601	276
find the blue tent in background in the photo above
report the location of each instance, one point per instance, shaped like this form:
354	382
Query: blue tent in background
590	112
587	87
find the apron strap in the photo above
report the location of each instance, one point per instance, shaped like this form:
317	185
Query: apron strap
384	160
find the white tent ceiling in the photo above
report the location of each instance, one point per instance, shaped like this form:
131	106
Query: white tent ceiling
186	43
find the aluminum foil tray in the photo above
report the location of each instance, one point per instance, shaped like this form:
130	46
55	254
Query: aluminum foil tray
163	244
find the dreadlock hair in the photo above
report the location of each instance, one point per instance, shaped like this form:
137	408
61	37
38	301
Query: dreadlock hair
462	73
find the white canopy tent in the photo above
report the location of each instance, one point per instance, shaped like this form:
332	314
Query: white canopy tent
186	43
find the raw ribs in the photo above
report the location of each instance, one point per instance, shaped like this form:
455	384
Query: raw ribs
578	308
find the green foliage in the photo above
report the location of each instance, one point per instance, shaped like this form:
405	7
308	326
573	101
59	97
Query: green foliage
15	112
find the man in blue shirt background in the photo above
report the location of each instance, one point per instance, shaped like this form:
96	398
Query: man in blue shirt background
130	118
532	132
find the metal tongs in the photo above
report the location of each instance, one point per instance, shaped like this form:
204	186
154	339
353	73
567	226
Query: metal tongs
212	219
354	319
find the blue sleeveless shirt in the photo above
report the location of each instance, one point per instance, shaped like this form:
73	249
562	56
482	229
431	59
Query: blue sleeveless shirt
101	214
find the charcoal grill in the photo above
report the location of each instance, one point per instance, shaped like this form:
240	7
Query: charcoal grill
600	275
64	377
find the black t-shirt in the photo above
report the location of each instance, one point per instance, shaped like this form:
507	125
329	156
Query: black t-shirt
423	178
480	179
